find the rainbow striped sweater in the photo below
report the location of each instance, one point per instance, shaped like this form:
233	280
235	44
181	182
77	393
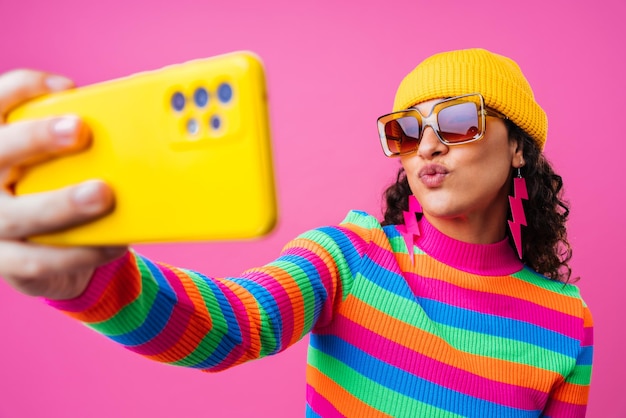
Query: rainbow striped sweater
459	330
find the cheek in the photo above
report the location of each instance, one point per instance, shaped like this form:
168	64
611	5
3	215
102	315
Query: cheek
486	166
492	161
490	179
407	163
410	169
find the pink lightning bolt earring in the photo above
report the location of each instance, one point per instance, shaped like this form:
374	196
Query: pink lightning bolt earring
411	229
517	210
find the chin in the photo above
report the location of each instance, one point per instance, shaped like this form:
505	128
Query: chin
442	212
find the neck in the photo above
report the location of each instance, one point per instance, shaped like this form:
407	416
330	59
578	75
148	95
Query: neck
483	224
491	259
473	230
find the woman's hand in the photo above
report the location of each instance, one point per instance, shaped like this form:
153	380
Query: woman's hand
33	269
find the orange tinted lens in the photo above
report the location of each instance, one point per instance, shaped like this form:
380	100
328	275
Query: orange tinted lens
459	122
402	134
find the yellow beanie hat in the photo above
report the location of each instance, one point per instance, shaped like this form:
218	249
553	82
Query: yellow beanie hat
499	79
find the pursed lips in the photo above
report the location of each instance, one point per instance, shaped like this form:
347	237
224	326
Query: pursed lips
433	175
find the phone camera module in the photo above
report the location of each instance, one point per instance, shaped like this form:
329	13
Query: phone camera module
178	101
201	97
225	92
193	127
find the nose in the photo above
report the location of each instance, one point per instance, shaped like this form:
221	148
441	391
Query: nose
430	146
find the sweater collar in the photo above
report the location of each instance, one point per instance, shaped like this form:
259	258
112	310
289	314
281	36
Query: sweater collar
496	259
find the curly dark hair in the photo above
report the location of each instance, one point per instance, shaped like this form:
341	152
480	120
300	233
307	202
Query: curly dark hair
545	245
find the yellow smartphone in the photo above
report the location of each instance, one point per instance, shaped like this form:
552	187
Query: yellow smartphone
186	149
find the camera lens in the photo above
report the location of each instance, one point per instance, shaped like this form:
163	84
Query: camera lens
201	97
215	122
178	101
225	92
192	126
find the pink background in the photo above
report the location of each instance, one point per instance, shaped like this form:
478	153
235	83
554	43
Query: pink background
332	69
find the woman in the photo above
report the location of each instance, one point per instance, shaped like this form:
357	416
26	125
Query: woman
447	308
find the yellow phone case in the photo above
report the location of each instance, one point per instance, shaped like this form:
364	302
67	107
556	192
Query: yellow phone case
186	149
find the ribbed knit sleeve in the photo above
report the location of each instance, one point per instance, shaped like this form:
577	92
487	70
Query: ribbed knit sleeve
185	318
569	399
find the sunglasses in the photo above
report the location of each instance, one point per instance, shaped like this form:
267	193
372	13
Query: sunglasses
455	121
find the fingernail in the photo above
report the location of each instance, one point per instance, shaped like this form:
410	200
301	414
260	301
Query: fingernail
58	83
88	194
65	130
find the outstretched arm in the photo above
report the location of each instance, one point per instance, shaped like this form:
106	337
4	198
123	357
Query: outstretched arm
184	318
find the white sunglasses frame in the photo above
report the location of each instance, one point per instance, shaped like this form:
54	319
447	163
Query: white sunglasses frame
431	120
